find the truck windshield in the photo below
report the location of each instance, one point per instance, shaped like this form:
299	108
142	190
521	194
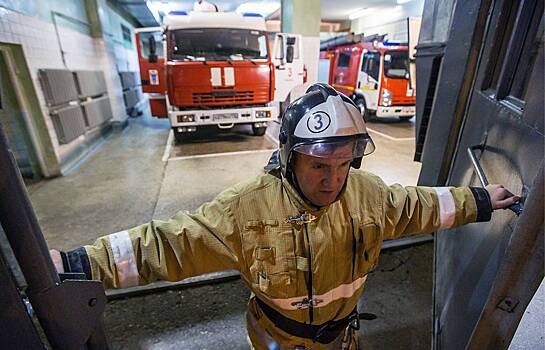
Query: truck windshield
396	64
217	44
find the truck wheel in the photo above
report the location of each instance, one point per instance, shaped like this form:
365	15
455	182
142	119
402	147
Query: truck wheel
365	113
259	131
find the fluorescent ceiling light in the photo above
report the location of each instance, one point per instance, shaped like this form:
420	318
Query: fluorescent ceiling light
153	11
399	2
264	8
359	13
158	7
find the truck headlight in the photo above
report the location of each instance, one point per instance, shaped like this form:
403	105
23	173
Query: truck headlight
262	114
386	98
186	118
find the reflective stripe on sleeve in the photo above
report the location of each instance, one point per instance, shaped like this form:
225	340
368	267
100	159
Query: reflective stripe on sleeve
125	262
447	207
343	291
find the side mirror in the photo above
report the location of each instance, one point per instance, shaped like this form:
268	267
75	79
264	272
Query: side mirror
290	42
289	54
152	58
280	48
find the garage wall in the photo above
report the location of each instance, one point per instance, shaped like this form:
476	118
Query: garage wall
125	53
48	28
390	20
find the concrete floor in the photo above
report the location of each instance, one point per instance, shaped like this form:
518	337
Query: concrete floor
126	182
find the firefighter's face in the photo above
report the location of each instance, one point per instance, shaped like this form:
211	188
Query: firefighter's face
321	180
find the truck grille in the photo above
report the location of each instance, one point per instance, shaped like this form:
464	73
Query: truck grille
225	96
403	101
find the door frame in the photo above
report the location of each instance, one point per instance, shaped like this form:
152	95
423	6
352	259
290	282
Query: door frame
41	151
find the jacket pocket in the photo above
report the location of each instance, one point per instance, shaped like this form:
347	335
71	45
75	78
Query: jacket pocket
269	251
368	243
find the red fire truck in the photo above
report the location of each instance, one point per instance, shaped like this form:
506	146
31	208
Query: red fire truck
374	72
212	69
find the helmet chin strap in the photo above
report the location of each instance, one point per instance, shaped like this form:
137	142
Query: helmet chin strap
292	179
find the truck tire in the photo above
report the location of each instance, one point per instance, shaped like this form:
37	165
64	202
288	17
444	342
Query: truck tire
259	131
365	113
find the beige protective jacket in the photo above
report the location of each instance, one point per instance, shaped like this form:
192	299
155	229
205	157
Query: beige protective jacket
257	228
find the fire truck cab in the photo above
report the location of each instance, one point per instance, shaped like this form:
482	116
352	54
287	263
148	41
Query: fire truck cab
213	69
373	72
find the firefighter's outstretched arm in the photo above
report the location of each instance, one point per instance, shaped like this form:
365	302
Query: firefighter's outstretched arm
425	209
184	246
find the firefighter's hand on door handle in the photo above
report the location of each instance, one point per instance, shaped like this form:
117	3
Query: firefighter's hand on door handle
500	197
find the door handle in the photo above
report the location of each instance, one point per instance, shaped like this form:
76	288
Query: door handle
518	206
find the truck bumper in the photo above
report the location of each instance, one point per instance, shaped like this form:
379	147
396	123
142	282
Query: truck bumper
396	111
223	118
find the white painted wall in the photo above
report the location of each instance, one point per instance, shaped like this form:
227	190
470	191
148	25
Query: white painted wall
311	55
42	50
391	20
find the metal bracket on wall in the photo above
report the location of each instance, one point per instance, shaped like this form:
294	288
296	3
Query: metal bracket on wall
508	304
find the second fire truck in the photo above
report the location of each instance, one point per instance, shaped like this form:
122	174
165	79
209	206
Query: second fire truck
373	72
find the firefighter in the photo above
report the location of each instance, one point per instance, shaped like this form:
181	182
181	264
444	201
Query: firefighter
304	236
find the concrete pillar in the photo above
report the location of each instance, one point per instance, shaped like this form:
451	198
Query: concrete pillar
301	17
304	17
92	9
100	26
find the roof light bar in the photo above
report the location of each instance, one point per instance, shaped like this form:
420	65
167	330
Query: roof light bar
177	13
250	14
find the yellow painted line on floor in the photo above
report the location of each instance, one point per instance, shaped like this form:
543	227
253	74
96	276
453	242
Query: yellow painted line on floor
222	154
390	137
168	146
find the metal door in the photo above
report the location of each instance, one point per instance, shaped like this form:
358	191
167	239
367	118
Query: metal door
504	115
369	79
151	58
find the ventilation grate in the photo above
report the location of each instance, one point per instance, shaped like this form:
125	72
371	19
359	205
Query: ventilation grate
223	97
129	79
69	123
90	83
428	105
97	111
58	86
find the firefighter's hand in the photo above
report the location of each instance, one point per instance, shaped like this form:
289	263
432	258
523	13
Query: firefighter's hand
500	197
57	260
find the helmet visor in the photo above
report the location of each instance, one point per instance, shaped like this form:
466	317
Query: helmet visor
339	149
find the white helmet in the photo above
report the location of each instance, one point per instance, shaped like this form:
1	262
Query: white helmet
320	122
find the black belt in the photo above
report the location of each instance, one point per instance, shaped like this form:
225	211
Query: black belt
324	333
